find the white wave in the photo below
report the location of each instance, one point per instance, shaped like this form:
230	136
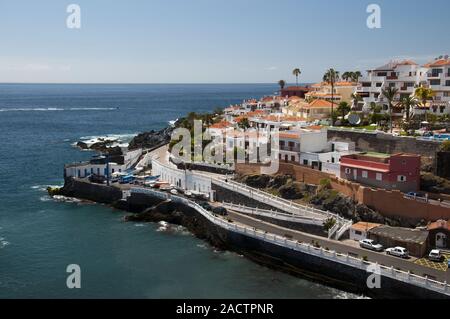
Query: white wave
45	198
35	109
52	109
347	295
3	243
43	188
93	108
60	198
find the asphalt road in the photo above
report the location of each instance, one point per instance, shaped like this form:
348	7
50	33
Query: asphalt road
341	247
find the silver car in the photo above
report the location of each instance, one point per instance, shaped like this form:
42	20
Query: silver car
370	244
398	252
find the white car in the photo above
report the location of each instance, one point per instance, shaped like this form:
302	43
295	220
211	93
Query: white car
435	255
370	244
398	252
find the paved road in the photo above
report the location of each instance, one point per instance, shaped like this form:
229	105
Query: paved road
341	247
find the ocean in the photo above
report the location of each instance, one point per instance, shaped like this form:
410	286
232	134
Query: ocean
40	237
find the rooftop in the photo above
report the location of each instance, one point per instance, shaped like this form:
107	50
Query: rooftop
440	224
364	226
438	63
401	234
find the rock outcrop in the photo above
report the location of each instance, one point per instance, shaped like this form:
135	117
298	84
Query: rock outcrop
151	139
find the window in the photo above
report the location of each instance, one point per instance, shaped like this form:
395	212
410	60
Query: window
293	158
365	174
401	178
379	84
305	162
435	82
348	171
392	85
358	233
379	177
447	83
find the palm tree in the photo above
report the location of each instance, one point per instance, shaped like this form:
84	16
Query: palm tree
355	76
331	77
424	94
343	108
282	84
297	73
408	103
390	93
347	75
356	99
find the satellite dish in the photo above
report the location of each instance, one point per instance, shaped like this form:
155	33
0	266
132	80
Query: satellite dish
354	119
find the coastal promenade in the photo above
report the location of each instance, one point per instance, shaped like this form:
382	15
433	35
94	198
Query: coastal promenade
334	251
238	216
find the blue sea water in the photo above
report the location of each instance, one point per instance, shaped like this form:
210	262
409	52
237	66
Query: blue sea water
40	237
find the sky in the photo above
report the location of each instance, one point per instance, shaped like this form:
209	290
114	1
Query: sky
212	41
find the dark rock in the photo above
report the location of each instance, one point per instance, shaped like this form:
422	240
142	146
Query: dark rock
257	181
291	191
151	139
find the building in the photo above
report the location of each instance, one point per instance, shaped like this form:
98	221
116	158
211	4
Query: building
322	91
294	143
438	79
414	240
392	172
310	111
359	231
103	166
299	91
439	234
406	76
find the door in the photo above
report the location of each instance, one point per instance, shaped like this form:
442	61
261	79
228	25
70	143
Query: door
441	240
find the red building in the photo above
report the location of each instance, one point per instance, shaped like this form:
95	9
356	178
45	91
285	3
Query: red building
392	172
299	91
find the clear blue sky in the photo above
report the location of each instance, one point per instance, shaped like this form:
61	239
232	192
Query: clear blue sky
212	41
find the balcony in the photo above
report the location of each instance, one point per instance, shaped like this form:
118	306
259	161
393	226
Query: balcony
290	149
434	75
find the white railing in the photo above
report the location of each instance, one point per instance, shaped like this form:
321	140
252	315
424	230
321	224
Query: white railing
333	230
273	214
343	229
278	202
390	272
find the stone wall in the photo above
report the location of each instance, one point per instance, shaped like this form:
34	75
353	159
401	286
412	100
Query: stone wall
391	204
95	192
443	164
224	195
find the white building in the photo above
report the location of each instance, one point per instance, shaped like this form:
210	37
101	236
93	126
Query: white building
438	79
406	76
295	142
359	231
98	166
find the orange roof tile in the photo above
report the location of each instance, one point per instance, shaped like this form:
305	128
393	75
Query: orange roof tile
320	104
363	226
440	224
438	63
221	125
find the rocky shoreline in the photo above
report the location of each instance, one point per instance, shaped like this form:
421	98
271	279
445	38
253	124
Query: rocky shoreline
148	208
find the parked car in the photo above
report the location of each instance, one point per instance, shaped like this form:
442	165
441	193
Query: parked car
414	194
398	252
370	244
435	255
206	206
